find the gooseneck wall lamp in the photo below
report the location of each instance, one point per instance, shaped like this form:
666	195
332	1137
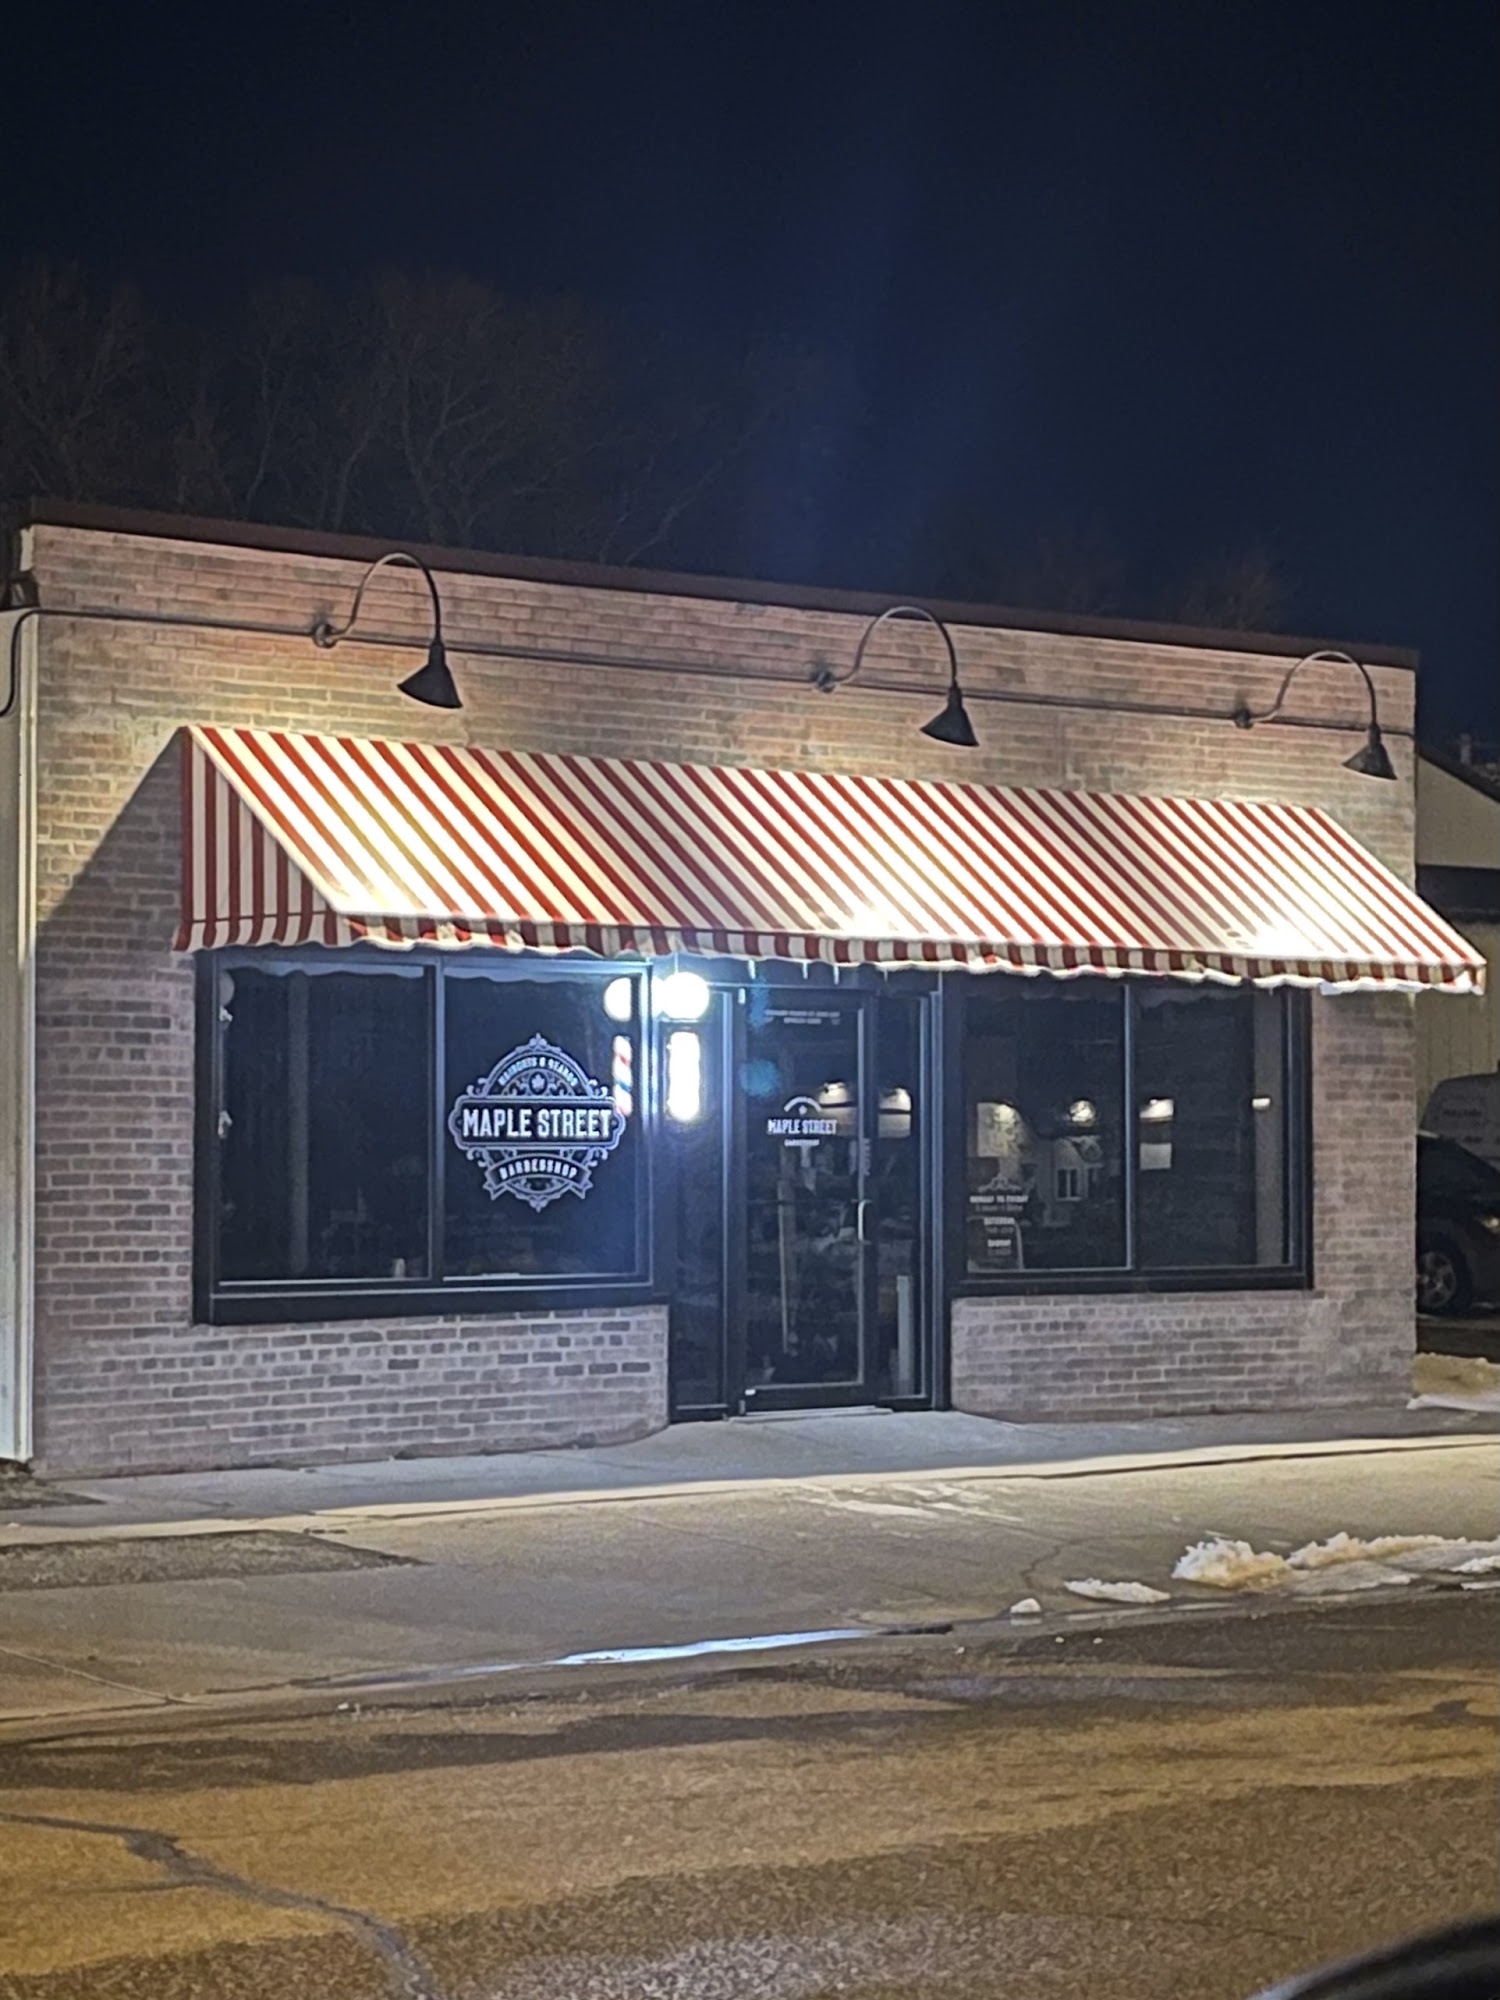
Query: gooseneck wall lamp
951	724
432	683
1371	759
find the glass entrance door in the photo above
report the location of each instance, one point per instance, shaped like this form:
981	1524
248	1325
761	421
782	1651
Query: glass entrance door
807	1152
803	1241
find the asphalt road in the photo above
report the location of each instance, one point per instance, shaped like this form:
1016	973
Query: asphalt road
1187	1806
1476	1333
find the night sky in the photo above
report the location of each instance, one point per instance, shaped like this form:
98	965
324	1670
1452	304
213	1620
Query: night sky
1192	278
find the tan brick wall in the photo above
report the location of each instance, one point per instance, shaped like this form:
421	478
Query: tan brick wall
130	1398
123	1375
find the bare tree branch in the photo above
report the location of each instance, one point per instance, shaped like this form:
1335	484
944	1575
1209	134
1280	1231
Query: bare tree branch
414	406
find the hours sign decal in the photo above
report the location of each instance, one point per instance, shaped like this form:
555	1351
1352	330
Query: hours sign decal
537	1125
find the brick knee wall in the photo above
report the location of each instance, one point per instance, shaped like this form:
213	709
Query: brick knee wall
155	1400
1176	1354
1170	1355
1347	1340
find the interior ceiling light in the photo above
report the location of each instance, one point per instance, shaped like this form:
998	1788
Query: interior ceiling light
619	998
681	996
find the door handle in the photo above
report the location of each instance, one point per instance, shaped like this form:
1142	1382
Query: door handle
862	1209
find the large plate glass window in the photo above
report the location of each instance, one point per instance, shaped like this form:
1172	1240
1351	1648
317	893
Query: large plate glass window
409	1136
1142	1129
544	1203
323	1126
1043	1126
1211	1127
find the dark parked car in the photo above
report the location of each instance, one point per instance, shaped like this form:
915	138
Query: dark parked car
1458	1227
1458	1964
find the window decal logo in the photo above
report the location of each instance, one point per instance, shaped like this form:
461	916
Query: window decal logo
538	1125
803	1124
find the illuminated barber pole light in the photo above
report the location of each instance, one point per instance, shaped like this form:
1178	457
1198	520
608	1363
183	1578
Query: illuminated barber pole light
622	1074
684	1076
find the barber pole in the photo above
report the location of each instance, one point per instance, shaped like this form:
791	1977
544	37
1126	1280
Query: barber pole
622	1072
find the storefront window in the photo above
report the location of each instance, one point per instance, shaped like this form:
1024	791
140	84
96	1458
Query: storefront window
323	1126
1043	1076
1201	1176
420	1130
546	1202
1210	1128
424	1135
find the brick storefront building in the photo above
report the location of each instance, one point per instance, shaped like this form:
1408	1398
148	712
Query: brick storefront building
663	1034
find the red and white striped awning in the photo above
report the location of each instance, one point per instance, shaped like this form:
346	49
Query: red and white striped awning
334	840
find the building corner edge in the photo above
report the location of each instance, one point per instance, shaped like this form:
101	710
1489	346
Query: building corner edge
19	642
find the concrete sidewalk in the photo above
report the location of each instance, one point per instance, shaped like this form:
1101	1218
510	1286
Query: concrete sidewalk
321	1586
708	1457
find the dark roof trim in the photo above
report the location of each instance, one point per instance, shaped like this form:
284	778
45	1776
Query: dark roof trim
1479	781
597	576
1462	895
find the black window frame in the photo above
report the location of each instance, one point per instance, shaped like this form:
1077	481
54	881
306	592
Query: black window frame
1295	1274
218	1301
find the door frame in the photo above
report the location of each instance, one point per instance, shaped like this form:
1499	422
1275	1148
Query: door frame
937	1106
745	1398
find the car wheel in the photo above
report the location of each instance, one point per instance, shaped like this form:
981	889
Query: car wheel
1443	1282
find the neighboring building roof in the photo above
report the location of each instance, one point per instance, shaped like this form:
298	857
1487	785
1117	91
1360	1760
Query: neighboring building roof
595	576
1458	837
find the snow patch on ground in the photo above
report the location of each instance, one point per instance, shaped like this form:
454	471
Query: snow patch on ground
1342	1548
1117	1593
1346	1576
1229	1565
1454	1382
1451	1557
1343	1562
1026	1607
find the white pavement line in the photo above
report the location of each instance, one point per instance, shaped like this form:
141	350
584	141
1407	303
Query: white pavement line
337	1519
622	1656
